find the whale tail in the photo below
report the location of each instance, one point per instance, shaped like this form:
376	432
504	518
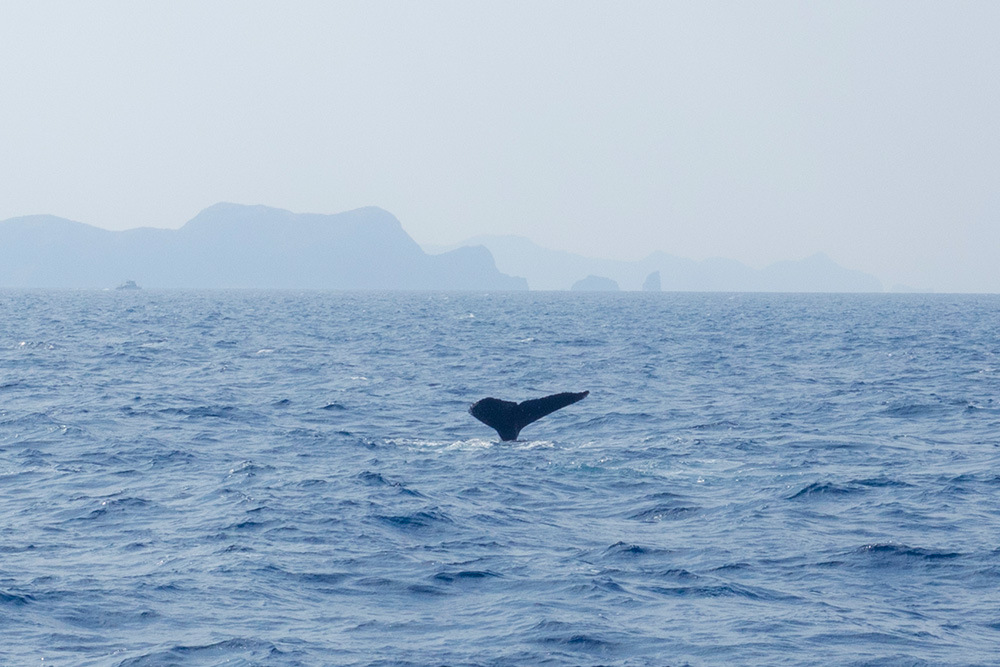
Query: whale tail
508	417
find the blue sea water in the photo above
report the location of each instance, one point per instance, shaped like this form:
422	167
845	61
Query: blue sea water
280	478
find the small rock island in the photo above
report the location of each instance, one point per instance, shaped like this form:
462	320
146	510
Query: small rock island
595	284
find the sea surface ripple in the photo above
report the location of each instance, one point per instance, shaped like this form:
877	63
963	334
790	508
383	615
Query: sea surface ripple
291	478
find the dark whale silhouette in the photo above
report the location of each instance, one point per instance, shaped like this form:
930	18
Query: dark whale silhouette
508	417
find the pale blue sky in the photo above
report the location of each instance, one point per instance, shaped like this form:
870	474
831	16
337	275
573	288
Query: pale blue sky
757	131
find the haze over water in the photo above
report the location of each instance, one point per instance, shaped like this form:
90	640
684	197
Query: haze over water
757	132
292	478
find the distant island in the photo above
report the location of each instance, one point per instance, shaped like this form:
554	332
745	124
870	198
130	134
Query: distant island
594	283
652	283
236	246
547	269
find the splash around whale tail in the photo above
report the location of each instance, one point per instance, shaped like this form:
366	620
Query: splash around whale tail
508	417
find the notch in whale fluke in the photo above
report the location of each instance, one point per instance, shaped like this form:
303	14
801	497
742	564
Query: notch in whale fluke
508	417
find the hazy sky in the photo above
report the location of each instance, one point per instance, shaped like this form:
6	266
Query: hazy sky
758	131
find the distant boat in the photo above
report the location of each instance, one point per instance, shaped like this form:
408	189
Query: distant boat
128	285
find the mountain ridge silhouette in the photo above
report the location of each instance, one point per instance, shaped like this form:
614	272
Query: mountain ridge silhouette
241	246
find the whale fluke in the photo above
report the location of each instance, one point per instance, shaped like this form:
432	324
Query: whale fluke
508	417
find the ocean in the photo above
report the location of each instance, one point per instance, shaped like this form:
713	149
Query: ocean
292	478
